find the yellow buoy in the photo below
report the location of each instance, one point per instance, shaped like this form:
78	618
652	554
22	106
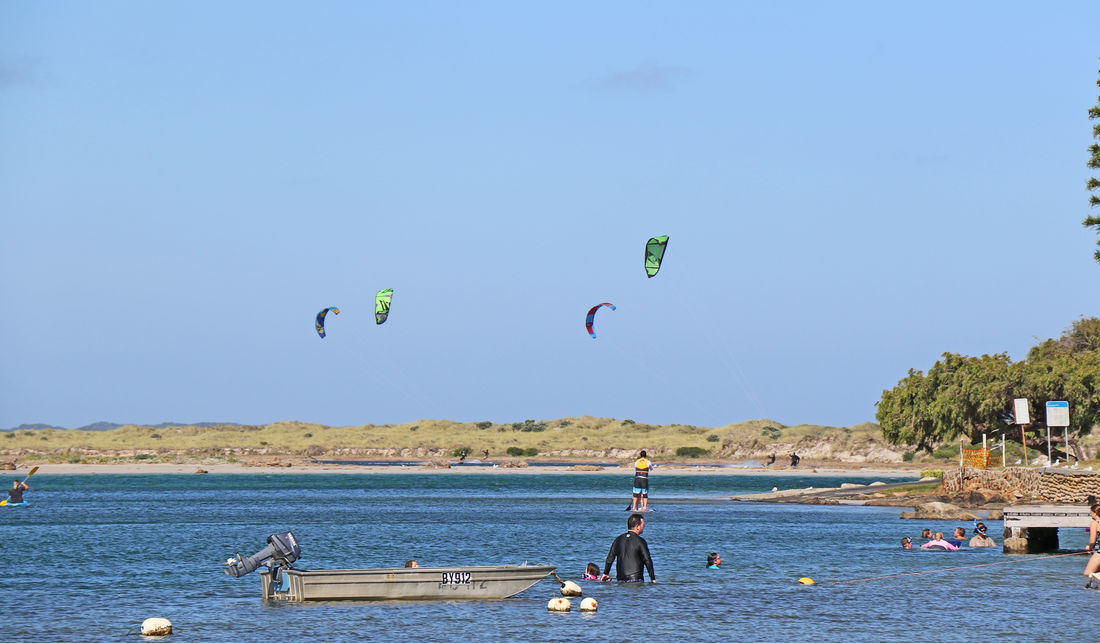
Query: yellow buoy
805	581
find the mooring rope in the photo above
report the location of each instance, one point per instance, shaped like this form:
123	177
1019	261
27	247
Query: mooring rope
951	569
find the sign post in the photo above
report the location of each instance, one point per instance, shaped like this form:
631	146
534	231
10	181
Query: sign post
1022	418
1058	415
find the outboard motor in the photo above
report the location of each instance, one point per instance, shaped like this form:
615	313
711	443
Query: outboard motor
281	551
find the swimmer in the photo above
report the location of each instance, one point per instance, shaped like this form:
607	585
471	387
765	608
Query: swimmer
906	543
591	572
714	559
938	542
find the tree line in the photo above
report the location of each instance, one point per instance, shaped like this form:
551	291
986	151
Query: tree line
964	396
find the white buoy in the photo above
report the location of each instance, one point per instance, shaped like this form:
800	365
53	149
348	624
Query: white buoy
156	627
569	588
589	605
559	604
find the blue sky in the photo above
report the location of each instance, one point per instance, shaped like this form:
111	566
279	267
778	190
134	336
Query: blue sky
849	191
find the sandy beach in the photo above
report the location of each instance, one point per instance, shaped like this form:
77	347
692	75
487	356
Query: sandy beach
306	467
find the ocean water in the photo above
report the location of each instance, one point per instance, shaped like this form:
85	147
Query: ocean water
93	556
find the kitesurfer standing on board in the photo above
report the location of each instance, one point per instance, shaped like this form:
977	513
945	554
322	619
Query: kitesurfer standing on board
640	492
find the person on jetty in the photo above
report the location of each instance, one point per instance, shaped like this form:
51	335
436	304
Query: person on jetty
938	541
714	559
1094	542
15	494
980	538
630	553
906	542
640	493
591	572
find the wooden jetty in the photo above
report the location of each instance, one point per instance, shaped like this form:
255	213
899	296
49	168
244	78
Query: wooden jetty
1033	529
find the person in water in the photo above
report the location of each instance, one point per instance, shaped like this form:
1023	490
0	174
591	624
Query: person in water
630	553
906	542
591	572
640	493
940	543
411	564
926	533
959	537
714	559
980	538
15	494
1093	565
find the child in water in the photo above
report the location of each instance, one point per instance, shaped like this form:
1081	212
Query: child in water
714	559
592	572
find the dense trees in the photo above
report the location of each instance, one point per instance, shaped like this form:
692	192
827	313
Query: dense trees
1093	184
967	396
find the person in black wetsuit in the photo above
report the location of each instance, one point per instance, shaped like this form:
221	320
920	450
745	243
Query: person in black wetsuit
795	459
630	553
15	494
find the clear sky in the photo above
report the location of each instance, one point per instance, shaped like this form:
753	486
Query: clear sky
850	189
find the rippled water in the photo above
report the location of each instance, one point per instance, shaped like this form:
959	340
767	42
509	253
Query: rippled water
93	556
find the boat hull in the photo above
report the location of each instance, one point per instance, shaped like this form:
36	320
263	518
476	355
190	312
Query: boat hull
418	583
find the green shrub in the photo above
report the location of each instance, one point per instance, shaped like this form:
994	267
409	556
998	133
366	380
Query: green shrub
9	435
907	456
627	422
564	423
262	443
531	451
308	435
74	459
484	425
932	473
143	456
946	451
529	426
460	451
691	452
771	432
155	436
515	452
414	427
712	438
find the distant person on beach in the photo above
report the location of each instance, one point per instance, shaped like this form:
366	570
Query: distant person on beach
980	538
630	553
939	543
714	559
795	459
771	460
906	542
485	453
15	494
411	564
640	493
1094	541
591	572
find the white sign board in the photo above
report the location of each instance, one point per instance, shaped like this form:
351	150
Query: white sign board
1057	413
1021	413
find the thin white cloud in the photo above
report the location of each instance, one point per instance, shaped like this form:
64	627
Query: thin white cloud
647	77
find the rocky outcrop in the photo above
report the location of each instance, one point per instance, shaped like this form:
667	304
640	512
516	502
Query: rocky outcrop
938	511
